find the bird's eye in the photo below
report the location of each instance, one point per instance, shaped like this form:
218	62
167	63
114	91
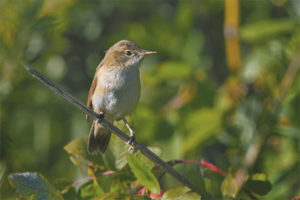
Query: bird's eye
128	53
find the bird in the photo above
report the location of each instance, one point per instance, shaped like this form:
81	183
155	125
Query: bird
115	91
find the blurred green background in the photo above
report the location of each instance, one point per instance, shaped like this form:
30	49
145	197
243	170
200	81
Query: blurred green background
193	104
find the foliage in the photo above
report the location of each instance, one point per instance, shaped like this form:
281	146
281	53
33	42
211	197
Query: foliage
34	185
241	116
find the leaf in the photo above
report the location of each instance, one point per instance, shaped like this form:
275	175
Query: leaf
175	193
146	162
78	149
143	174
70	193
201	125
87	190
289	131
105	182
109	196
90	190
259	184
33	185
266	29
109	159
168	71
97	188
190	196
213	183
179	193
229	187
119	150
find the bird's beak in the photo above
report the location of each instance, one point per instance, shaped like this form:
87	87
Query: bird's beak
146	52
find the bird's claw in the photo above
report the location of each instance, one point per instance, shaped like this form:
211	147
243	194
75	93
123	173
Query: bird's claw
131	142
100	118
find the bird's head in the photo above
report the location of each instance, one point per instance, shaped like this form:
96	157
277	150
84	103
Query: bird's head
125	54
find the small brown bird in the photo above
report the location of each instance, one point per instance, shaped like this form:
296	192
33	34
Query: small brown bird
115	91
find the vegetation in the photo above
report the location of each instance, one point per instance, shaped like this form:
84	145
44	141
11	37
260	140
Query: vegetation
220	100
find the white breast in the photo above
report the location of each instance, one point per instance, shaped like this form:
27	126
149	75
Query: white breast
121	94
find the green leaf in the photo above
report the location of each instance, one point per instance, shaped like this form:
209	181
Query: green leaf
78	149
109	159
143	174
70	193
213	182
229	187
179	193
90	190
289	131
266	29
87	190
105	182
169	71
259	184
119	150
98	190
201	125
146	162
190	196
118	196
175	193
109	196
33	185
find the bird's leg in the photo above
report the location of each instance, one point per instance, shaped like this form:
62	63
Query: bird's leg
131	140
100	118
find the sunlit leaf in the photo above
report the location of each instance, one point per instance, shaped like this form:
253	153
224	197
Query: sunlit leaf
175	193
190	196
78	150
185	15
77	147
87	190
179	193
143	174
146	162
97	188
201	125
34	185
264	29
169	71
54	7
229	187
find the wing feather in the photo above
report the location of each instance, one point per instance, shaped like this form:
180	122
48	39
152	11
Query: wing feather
91	92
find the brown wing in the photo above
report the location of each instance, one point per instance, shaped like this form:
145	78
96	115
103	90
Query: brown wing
89	100
91	92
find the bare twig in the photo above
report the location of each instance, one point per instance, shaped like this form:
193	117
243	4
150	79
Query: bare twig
144	150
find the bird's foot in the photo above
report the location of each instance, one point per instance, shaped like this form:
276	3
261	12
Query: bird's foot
131	142
100	118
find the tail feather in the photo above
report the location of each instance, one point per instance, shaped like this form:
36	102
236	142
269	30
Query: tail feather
98	139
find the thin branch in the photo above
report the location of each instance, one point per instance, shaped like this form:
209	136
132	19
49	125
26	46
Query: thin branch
209	166
203	163
144	150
